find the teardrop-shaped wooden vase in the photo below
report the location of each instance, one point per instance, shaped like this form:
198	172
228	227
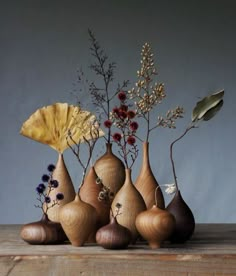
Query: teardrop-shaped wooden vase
132	204
43	232
146	183
65	187
110	169
113	235
78	220
89	193
184	218
155	225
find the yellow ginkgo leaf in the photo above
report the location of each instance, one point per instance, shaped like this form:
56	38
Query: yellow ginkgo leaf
50	125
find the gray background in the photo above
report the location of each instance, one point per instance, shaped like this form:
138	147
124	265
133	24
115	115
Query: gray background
42	43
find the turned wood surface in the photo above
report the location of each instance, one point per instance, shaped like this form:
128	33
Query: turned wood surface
211	251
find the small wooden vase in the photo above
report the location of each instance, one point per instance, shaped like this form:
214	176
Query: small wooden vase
184	218
65	187
78	220
155	225
113	235
132	204
146	183
43	232
89	193
110	169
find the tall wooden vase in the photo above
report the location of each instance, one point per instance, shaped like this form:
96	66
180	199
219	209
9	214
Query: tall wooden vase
146	183
78	219
110	169
132	204
89	193
184	218
65	187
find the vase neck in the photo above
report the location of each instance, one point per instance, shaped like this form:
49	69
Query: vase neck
109	148
128	178
146	154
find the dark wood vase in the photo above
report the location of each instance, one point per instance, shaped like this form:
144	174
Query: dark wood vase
146	183
113	235
43	232
110	169
89	193
184	218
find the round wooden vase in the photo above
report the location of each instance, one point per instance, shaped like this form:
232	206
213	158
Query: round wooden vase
65	187
113	235
184	218
78	220
110	169
146	183
132	204
155	225
43	232
89	193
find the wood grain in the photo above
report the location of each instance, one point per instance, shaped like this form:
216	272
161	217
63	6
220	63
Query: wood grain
211	251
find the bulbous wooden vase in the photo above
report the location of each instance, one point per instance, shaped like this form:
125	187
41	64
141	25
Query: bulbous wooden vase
155	225
78	220
110	169
132	204
43	232
184	218
113	235
146	183
65	187
89	193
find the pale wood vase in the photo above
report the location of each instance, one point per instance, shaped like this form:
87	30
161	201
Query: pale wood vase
132	204
155	225
146	183
65	187
78	220
43	232
89	193
185	222
110	169
113	236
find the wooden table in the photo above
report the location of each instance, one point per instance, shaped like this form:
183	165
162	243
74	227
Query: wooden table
211	251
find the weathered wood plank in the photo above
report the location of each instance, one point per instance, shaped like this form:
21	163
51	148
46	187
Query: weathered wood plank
211	251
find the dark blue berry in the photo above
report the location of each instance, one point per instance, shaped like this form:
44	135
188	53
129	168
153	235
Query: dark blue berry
51	168
60	196
47	199
45	178
39	190
54	183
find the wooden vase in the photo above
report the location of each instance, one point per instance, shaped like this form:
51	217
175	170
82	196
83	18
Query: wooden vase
78	220
184	218
146	183
132	204
89	193
113	235
110	169
65	187
43	232
155	225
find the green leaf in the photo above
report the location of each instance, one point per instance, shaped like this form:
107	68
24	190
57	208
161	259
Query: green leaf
212	112
205	105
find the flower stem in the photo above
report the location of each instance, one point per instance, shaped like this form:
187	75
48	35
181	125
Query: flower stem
171	152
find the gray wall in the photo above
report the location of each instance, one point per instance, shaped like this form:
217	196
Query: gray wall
42	43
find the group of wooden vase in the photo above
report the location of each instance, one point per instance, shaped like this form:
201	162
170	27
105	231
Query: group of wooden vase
82	217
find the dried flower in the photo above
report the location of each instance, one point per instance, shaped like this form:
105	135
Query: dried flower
125	138
108	123
133	126
60	196
116	137
122	96
147	94
51	168
45	201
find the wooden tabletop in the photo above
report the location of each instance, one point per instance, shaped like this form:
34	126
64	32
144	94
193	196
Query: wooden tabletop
211	251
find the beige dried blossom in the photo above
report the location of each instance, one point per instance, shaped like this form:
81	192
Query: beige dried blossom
147	94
